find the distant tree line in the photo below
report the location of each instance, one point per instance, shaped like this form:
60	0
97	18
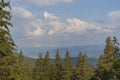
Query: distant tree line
14	67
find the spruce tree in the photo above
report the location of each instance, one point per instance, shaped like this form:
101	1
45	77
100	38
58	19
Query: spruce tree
83	71
7	46
67	68
58	67
106	61
22	70
117	69
38	73
117	58
48	66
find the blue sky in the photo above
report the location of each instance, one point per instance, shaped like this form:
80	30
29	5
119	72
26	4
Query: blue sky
64	23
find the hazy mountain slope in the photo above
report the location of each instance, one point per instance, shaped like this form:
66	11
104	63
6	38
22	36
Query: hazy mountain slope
91	61
93	51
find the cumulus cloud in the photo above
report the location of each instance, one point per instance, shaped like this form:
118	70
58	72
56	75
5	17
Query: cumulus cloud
45	2
37	32
22	12
51	24
74	25
79	26
114	14
28	21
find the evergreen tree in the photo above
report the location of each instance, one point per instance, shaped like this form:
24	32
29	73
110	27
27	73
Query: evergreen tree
48	67
7	46
67	68
83	71
117	69
106	61
22	70
58	67
39	69
117	58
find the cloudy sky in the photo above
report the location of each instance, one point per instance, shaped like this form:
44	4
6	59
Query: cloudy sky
64	23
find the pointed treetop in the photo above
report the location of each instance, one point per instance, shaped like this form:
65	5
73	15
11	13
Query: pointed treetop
40	55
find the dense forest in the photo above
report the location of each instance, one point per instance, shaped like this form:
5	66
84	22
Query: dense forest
14	67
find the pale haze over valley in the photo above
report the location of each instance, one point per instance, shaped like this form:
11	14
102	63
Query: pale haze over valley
64	23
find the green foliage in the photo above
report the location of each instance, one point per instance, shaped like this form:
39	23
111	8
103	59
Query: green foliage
39	69
106	61
83	71
7	46
48	66
67	68
58	69
43	68
22	69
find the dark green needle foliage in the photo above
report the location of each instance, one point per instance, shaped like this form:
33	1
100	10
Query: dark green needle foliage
22	70
39	69
67	67
7	46
107	60
58	69
83	71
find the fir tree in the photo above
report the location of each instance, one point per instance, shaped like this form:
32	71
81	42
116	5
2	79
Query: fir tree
48	66
39	69
106	61
83	71
22	70
117	58
67	68
7	46
58	67
117	69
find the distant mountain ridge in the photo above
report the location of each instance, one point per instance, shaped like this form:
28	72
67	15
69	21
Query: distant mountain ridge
91	61
92	51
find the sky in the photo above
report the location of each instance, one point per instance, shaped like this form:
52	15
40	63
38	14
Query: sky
64	23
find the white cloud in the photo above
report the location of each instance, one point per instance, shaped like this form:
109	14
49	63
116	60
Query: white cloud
37	32
75	26
22	12
51	24
114	14
49	16
28	21
79	26
45	2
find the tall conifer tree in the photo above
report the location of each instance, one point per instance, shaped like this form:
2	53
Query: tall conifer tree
67	67
47	67
22	70
106	61
38	73
58	67
7	46
83	71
